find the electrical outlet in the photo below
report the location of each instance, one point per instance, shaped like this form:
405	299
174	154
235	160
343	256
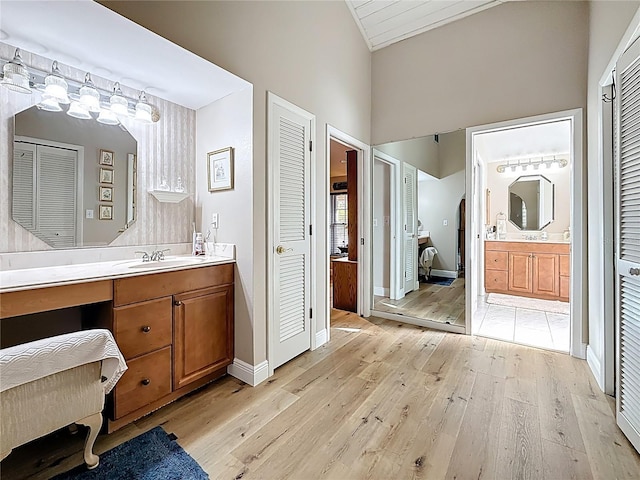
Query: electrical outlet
445	223
214	220
89	213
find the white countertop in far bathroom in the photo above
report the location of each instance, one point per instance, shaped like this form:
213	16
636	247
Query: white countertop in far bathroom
50	276
522	240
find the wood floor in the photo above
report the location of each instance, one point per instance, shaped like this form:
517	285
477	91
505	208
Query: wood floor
430	302
388	401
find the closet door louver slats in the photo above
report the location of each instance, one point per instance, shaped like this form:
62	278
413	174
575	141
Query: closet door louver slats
410	234
627	178
24	185
289	136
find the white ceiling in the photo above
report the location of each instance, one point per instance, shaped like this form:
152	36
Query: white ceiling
383	22
525	142
90	37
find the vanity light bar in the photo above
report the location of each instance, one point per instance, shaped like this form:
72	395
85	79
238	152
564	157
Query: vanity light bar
531	163
101	100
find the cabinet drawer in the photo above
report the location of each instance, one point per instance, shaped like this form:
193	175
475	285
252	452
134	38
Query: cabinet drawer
157	285
496	280
496	260
564	288
143	327
147	379
565	269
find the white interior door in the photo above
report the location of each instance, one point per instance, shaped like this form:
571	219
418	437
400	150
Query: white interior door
628	244
290	129
410	210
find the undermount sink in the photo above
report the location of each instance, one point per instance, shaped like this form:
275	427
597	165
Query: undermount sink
167	263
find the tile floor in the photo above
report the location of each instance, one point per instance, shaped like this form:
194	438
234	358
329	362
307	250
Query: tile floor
520	325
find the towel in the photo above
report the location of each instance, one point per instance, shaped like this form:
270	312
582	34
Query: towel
34	360
427	256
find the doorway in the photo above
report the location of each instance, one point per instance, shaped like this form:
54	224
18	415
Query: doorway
526	177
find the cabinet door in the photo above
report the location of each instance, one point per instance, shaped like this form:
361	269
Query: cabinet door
203	333
546	274
520	272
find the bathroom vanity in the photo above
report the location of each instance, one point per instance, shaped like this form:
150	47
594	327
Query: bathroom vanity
174	325
528	269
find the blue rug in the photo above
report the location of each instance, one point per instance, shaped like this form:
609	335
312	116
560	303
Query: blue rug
154	455
443	281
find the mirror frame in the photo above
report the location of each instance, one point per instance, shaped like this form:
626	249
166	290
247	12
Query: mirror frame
553	203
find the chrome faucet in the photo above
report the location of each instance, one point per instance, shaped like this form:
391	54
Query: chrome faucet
154	256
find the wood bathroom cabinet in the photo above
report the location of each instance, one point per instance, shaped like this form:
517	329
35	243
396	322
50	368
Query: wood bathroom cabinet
536	270
174	328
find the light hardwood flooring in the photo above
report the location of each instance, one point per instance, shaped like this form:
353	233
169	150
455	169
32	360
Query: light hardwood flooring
430	302
384	400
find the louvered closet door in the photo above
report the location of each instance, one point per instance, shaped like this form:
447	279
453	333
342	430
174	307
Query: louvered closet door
57	170
290	164
23	208
628	243
410	209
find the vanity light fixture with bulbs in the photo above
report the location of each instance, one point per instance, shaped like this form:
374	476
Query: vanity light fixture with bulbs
85	99
523	165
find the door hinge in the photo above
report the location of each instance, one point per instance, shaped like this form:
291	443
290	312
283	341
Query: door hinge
311	145
362	241
310	229
311	313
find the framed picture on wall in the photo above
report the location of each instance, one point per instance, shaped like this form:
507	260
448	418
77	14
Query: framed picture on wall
220	169
106	175
106	157
106	212
106	194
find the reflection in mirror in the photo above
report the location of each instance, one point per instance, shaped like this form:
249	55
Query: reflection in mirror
73	180
531	202
419	228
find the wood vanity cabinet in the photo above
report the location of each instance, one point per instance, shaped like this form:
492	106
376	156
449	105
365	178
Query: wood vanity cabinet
175	330
537	270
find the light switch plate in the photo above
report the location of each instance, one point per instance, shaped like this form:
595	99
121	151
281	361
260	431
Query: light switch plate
214	220
445	222
89	213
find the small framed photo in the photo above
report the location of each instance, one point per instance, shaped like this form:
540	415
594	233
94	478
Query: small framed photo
106	212
106	194
220	169
106	157
106	175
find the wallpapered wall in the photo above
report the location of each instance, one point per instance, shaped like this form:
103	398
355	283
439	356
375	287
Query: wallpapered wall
166	148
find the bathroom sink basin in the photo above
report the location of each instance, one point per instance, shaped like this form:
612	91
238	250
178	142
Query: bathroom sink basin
167	263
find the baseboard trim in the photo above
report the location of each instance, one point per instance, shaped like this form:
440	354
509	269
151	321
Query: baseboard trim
444	273
381	291
321	337
250	374
594	364
420	322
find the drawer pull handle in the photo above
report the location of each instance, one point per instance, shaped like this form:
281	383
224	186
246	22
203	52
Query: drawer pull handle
145	381
634	271
177	303
146	329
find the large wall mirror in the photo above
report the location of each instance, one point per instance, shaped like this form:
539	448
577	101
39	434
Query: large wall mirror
531	202
73	181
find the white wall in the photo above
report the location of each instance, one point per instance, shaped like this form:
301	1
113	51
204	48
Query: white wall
421	152
310	53
381	250
498	184
514	60
607	24
228	123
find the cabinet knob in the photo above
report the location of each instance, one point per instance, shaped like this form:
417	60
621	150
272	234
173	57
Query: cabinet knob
145	381
146	329
177	303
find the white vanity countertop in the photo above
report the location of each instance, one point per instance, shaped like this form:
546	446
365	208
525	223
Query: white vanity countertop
28	278
522	240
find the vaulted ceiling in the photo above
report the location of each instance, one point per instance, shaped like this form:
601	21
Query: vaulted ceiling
383	22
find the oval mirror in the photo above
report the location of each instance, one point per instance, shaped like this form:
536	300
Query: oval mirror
73	180
531	204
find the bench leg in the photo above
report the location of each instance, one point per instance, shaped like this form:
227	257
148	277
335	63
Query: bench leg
94	422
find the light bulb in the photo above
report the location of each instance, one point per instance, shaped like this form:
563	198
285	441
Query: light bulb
77	110
15	75
143	109
56	86
89	96
119	104
107	117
